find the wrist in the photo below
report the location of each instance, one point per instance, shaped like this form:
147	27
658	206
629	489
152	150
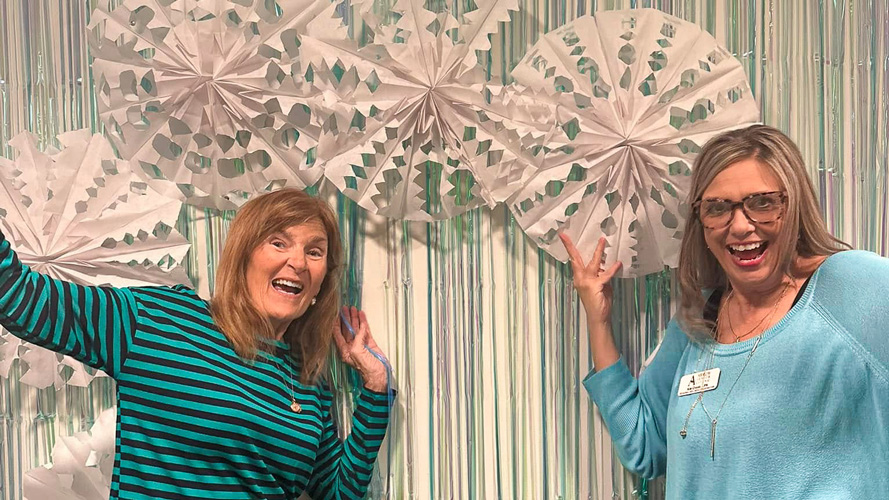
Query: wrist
376	385
376	381
598	327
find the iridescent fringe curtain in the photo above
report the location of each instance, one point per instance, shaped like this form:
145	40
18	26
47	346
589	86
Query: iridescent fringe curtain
482	328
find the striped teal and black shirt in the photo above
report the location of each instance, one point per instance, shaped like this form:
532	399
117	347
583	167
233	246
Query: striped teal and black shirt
194	420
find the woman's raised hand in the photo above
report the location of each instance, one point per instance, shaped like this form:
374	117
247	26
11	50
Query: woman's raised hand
355	350
593	284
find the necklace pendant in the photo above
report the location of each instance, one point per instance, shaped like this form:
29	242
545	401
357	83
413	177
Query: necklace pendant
683	433
713	439
295	406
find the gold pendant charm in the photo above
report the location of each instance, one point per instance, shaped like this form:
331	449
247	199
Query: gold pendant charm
713	439
295	406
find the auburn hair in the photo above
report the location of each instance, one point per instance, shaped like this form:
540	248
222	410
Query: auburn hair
233	311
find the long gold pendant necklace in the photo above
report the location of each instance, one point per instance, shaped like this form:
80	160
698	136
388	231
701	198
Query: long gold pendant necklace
293	404
714	420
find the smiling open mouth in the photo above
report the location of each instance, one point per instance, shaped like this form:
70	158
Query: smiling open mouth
287	286
748	252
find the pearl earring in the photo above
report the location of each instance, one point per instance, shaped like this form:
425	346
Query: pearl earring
314	300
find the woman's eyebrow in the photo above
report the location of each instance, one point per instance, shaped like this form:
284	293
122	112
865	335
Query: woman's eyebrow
313	240
281	234
716	198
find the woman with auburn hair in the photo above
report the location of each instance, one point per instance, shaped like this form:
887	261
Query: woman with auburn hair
226	399
773	380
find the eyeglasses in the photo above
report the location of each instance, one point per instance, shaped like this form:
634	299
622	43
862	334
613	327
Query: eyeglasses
760	208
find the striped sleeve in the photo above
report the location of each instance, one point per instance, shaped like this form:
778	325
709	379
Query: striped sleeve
343	469
94	325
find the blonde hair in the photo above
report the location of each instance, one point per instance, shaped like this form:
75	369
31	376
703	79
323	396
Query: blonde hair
804	233
234	313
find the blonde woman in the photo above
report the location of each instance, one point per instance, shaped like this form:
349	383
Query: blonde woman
224	399
773	380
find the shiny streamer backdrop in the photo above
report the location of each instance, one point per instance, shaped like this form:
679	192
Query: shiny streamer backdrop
482	328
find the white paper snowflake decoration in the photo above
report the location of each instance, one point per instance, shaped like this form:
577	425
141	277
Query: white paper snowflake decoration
208	98
82	465
81	216
638	93
9	352
419	130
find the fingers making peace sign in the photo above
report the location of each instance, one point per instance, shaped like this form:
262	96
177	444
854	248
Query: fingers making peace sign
592	282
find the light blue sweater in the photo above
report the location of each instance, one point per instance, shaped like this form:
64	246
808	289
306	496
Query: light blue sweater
808	418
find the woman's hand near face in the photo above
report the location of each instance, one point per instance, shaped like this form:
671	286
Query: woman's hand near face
354	350
593	285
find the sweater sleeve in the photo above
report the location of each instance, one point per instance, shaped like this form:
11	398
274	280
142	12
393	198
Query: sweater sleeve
94	325
343	469
635	411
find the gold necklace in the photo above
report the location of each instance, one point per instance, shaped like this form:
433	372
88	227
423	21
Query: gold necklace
714	420
293	404
771	313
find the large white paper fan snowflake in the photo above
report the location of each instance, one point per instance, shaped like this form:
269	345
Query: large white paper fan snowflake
82	465
420	131
208	98
638	93
81	216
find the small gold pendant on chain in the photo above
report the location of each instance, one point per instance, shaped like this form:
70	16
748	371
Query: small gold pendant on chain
295	406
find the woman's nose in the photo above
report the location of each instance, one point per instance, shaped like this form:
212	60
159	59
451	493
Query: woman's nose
297	261
739	222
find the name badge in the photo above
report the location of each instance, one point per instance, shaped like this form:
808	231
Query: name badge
694	383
